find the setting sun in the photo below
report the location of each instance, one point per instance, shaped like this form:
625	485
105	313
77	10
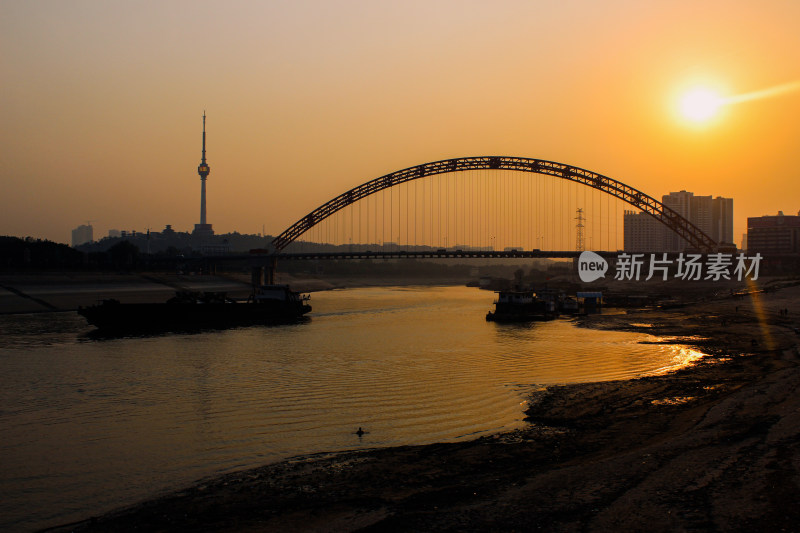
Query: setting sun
700	104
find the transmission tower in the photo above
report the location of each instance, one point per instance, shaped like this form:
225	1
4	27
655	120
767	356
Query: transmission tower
579	231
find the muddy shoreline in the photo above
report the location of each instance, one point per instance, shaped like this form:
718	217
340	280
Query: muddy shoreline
712	447
53	292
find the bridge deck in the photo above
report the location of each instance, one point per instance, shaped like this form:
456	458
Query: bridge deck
433	254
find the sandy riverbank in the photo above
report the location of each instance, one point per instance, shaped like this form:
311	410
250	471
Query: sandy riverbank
46	292
37	293
713	447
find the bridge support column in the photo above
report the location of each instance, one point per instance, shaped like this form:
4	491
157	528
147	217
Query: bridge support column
264	275
273	266
257	276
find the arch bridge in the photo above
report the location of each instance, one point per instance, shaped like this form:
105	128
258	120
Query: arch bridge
694	236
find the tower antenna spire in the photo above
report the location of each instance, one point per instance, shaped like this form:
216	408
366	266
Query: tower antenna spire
204	136
203	228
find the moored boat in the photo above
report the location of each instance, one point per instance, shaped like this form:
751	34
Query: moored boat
569	306
521	306
268	304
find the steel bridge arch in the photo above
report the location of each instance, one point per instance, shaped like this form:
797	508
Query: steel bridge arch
667	216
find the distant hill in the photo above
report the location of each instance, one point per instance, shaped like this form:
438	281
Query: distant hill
37	253
171	242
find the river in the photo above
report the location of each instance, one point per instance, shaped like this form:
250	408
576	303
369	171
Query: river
88	425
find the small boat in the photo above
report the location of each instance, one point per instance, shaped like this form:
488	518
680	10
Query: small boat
188	310
521	306
569	306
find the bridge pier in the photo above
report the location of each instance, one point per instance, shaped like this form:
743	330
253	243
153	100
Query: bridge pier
271	268
261	275
257	276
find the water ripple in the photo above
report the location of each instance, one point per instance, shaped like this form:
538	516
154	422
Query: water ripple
91	424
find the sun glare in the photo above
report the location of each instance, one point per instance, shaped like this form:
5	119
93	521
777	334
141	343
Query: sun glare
699	105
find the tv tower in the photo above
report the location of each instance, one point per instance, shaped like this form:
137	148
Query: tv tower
203	228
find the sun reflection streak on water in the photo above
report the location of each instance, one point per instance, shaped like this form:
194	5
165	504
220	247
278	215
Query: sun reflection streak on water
683	356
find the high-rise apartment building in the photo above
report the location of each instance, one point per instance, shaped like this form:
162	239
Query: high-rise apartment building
82	234
701	213
642	232
696	209
714	216
722	220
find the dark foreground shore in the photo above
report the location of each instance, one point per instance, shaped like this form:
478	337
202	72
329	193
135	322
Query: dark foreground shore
713	447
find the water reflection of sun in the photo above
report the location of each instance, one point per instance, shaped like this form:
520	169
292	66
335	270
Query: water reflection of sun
686	356
682	357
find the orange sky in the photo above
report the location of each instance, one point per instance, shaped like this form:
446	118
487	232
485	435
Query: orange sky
101	102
